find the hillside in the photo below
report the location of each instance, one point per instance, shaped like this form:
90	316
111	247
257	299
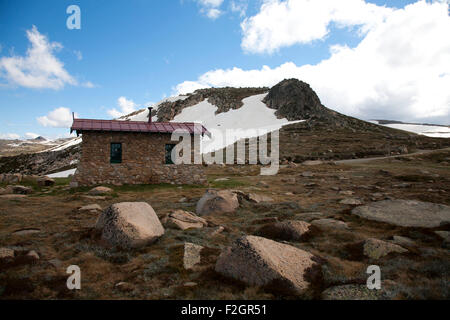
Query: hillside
308	129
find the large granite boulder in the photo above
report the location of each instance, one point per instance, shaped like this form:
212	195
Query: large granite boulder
129	225
263	262
406	213
216	202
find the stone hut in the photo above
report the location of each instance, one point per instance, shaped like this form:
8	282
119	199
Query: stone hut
135	152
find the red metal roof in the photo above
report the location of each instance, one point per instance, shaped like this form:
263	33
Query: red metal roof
80	125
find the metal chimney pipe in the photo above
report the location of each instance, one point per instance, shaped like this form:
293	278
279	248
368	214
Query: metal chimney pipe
150	114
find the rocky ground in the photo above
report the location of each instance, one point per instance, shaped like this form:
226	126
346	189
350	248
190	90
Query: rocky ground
309	232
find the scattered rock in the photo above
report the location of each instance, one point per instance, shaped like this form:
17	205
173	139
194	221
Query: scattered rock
375	249
33	255
330	224
45	181
185	220
190	284
6	255
312	162
94	198
24	232
91	208
286	230
55	263
262	184
307	174
183	200
217	202
309	216
217	231
124	286
403	241
351	201
129	225
100	191
335	188
445	235
406	213
21	190
221	179
263	262
253	197
191	255
289	180
346	193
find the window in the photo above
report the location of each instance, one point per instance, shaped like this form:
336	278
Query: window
169	148
116	153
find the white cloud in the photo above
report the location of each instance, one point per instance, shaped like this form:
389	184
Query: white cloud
126	106
239	6
400	70
284	23
9	136
210	8
39	68
31	135
78	54
57	118
213	13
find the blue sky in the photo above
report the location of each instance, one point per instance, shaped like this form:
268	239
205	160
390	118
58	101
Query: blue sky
147	50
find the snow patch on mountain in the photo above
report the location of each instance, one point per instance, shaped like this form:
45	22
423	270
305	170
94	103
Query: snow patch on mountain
426	130
254	114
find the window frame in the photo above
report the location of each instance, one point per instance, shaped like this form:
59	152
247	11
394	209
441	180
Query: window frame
165	153
115	161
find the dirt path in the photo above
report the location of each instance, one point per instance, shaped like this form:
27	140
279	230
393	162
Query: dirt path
362	160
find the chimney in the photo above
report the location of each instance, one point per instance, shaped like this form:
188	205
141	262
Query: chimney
150	114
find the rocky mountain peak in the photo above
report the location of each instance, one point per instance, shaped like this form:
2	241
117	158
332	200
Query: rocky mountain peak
294	99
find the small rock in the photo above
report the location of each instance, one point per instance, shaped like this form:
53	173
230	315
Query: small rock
22	190
351	201
346	193
307	174
257	198
45	181
217	202
286	230
288	180
183	200
33	254
24	232
221	179
94	198
312	162
375	249
55	263
191	255
100	191
216	231
6	255
330	224
335	188
185	220
190	284
124	286
91	207
403	241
